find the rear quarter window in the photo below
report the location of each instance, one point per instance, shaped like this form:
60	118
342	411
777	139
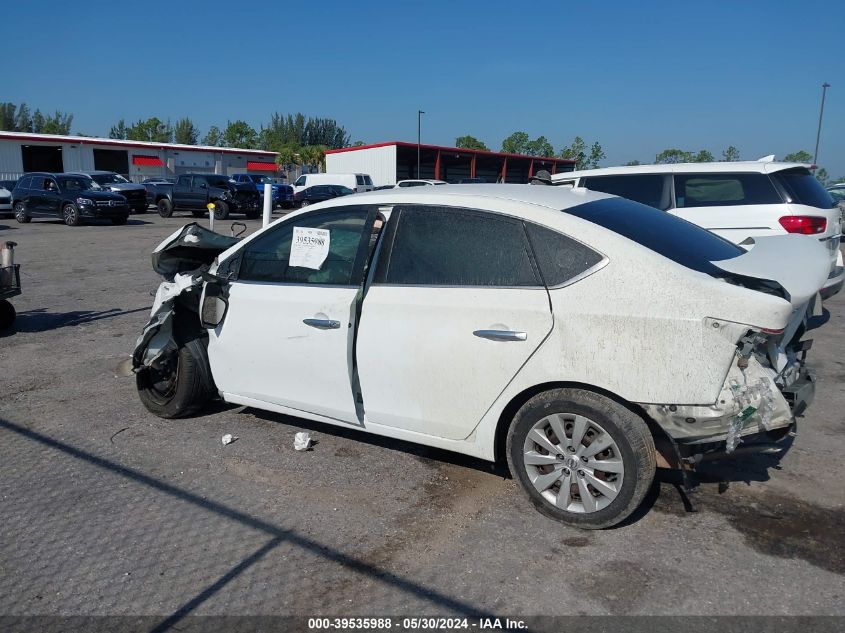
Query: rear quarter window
720	190
803	188
560	258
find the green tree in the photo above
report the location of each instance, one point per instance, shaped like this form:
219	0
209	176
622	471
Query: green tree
540	146
23	120
798	157
670	156
214	138
470	142
153	129
186	132
118	130
631	163
516	143
731	154
7	116
358	143
703	156
240	134
56	123
577	151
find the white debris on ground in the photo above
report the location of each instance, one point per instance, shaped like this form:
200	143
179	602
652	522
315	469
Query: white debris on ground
302	441
228	439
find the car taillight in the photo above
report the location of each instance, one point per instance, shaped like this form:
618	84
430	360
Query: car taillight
803	224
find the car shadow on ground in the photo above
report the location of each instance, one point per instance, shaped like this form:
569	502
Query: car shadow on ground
42	321
816	322
417	450
132	221
7	227
276	536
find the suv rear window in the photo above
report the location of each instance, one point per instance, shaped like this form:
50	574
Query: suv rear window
676	239
803	188
719	190
644	188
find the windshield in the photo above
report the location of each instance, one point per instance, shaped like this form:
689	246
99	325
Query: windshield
676	239
262	180
77	183
106	179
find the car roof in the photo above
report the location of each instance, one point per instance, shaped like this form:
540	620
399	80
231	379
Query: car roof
554	198
759	166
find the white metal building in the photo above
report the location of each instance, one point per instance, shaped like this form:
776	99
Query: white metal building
22	152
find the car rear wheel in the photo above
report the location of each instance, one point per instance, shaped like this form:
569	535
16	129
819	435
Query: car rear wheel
304	203
21	214
179	385
582	458
70	215
165	208
221	210
7	314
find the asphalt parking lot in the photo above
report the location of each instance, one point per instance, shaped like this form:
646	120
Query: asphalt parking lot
108	510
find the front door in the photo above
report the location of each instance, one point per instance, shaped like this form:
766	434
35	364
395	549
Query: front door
287	337
455	309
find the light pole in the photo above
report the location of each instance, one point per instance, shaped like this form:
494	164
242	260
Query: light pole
419	128
825	86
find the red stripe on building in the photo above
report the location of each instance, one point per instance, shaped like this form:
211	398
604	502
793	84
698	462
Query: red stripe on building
255	165
147	161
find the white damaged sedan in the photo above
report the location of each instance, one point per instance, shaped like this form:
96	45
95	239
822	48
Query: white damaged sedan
585	338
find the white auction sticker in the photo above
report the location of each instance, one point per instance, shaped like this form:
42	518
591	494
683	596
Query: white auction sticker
309	247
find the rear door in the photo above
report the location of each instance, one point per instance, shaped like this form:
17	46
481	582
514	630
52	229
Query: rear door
735	205
455	309
182	192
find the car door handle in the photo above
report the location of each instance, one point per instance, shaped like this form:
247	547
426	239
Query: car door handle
501	335
322	324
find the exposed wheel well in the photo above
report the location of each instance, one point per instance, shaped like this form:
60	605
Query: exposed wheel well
666	455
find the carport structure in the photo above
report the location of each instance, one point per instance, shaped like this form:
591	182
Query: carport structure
392	161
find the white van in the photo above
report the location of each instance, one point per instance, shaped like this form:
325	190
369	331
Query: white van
357	182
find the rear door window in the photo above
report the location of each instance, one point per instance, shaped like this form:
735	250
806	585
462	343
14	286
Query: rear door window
719	190
668	235
650	189
803	188
438	246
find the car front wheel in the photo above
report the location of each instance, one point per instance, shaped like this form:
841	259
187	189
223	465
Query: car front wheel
582	458
165	208
20	213
70	215
179	385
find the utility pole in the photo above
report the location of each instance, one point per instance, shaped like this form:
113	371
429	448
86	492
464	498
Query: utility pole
419	129
825	86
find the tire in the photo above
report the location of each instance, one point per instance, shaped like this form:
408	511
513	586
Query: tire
7	314
221	210
182	389
304	203
165	208
545	469
20	213
70	215
121	220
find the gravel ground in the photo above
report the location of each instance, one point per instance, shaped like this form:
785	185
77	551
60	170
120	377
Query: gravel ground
108	510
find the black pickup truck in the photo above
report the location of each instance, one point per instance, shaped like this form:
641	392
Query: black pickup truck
193	192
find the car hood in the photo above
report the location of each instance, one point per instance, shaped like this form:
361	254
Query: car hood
800	264
123	186
189	248
97	194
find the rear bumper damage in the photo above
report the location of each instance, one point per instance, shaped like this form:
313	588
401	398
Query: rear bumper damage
750	403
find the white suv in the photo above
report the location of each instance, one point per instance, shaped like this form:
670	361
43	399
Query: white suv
735	200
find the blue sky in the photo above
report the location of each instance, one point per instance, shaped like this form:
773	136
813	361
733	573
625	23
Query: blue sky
637	77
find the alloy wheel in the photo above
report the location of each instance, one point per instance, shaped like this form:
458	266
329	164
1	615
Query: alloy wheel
573	463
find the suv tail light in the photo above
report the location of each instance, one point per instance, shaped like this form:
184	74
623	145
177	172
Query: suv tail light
803	224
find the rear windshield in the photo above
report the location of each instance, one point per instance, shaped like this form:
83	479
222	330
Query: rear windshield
803	188
665	234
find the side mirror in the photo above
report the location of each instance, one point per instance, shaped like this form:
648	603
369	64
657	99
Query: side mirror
214	305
